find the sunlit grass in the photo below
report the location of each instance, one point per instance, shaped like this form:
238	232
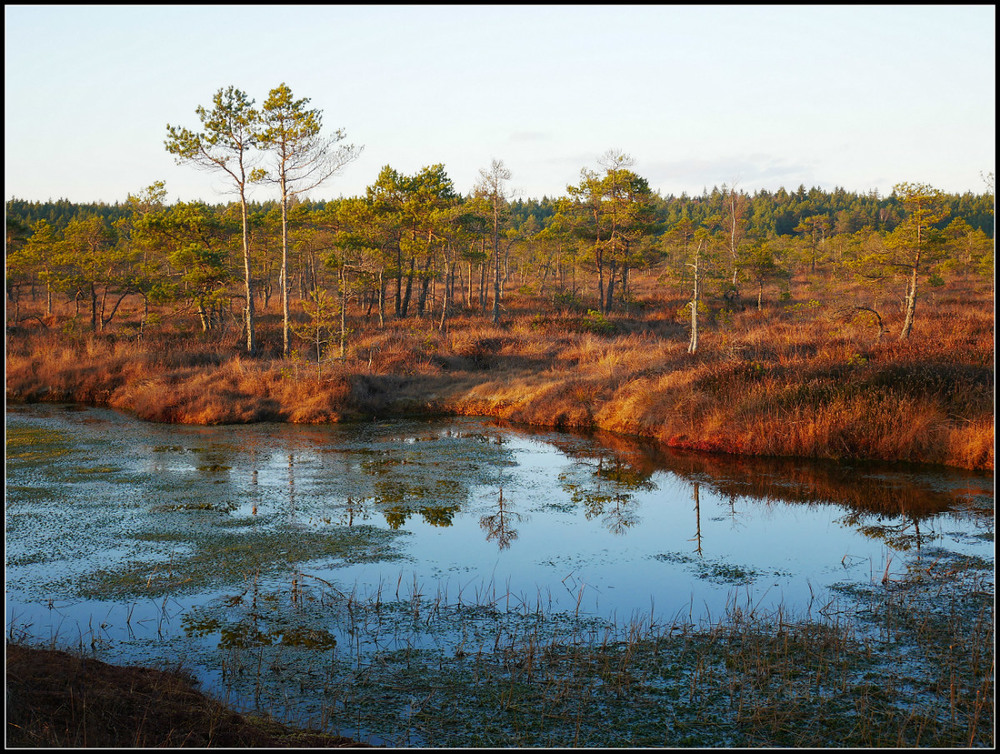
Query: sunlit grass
791	380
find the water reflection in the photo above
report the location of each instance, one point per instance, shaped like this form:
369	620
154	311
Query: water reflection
536	504
899	533
697	518
302	542
349	510
885	502
499	525
606	490
291	489
432	475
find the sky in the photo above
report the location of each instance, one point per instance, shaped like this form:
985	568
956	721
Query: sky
761	97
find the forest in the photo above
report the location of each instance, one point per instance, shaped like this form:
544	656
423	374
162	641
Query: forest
412	246
596	304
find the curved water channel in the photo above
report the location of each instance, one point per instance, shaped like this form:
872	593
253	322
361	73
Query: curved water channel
152	543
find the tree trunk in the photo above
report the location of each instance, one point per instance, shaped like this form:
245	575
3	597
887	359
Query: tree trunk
251	341
545	275
104	303
424	286
468	298
496	282
343	315
911	303
203	316
381	298
105	321
409	288
625	282
93	308
399	280
695	299
449	272
610	300
284	266
482	287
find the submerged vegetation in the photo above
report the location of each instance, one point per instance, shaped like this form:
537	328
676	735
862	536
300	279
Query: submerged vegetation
905	663
251	597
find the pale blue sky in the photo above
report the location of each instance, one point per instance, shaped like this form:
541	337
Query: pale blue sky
861	97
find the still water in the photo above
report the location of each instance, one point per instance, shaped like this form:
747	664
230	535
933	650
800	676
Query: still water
132	539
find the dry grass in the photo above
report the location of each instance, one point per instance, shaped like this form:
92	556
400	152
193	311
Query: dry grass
798	380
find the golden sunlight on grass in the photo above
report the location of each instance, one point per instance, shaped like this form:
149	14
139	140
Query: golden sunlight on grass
777	382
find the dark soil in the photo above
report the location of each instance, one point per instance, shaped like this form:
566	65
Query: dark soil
57	699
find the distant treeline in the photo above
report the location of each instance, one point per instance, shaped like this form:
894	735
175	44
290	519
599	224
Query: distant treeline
777	213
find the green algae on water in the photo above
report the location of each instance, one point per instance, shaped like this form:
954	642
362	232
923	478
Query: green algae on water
224	558
30	444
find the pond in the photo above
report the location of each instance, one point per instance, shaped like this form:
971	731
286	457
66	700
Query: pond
322	550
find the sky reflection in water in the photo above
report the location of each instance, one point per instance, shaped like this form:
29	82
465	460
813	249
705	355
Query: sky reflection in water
604	526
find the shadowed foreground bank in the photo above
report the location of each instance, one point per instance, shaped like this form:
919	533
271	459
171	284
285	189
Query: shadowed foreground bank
57	699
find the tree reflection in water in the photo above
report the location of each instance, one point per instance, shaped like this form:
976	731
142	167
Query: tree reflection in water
895	533
887	502
697	518
608	492
499	525
350	508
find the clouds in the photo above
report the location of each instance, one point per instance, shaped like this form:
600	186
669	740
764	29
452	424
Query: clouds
859	97
520	137
746	171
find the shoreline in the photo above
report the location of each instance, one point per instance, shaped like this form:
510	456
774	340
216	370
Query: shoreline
783	382
369	397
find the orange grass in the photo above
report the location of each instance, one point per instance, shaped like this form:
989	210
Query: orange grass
786	381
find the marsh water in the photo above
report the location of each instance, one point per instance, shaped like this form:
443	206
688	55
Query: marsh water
159	544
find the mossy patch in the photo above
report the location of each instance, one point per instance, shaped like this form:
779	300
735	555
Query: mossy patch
197	505
222	557
88	470
743	681
717	571
31	444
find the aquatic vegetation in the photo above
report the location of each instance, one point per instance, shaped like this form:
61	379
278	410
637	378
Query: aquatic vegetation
529	677
199	505
30	445
219	558
718	571
458	583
